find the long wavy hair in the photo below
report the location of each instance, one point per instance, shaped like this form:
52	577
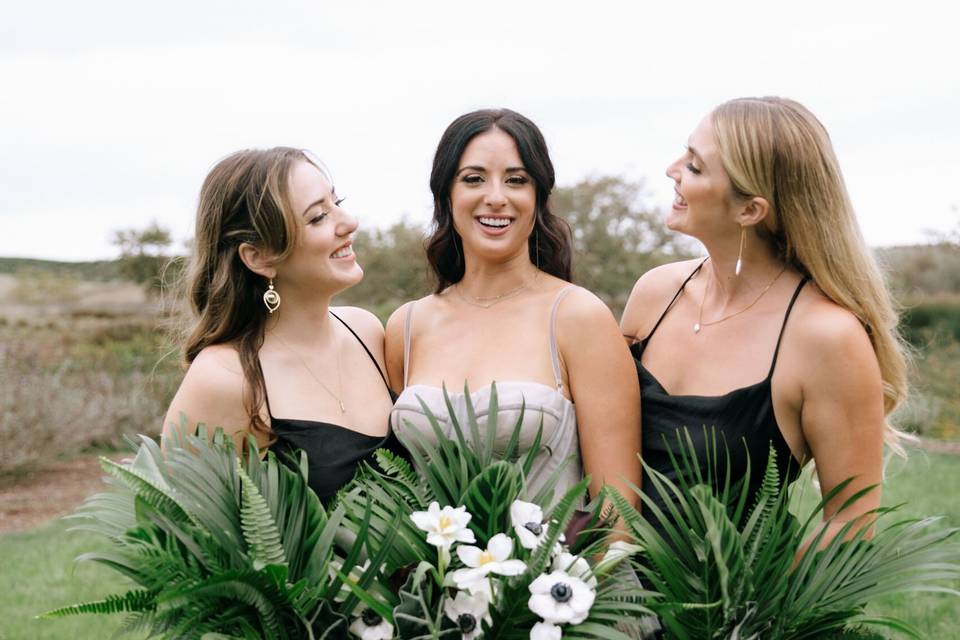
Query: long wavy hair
550	244
244	198
775	148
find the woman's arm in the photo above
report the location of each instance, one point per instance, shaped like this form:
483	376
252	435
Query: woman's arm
841	411
393	347
603	384
211	393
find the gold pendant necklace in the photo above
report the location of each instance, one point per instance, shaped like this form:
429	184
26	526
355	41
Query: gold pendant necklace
487	302
336	350
700	324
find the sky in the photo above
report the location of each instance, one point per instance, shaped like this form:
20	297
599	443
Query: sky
111	113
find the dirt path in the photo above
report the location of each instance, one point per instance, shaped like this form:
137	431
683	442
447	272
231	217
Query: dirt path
57	490
43	495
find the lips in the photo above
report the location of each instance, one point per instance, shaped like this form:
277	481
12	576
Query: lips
494	222
345	251
678	201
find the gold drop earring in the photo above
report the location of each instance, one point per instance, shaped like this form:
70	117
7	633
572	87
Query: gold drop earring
271	298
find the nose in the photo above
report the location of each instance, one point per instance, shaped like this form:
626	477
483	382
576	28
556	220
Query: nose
495	195
346	224
673	170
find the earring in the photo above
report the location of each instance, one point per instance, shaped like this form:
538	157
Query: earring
739	267
271	298
536	242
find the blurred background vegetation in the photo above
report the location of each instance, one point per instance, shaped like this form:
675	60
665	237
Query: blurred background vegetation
88	350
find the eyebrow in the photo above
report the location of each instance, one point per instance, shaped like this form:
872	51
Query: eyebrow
312	205
479	168
695	154
333	193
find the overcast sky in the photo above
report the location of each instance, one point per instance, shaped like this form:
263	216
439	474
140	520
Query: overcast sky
111	113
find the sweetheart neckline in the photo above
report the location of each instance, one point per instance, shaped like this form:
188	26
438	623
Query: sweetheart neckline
487	387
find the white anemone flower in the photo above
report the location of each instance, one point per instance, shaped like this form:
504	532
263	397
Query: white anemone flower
467	611
527	521
575	566
444	526
545	631
370	626
560	598
494	559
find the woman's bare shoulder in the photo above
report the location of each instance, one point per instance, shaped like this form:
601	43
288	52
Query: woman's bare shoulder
652	293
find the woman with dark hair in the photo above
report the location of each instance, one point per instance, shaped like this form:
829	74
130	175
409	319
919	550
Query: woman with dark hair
272	247
504	311
785	334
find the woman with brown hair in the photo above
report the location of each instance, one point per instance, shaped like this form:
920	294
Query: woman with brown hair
504	311
785	334
268	356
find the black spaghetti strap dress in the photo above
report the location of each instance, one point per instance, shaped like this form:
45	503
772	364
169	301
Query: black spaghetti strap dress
740	423
333	451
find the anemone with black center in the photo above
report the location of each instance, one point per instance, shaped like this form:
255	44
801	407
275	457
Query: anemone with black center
370	617
561	592
467	623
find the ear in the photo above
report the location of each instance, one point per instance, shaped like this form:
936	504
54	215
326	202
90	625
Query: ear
754	211
257	260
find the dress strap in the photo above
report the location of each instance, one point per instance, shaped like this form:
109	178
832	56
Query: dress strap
407	326
786	316
675	296
363	344
554	350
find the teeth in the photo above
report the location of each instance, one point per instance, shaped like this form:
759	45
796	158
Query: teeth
495	222
680	201
343	253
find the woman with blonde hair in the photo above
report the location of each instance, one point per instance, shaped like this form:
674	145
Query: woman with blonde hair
785	334
272	247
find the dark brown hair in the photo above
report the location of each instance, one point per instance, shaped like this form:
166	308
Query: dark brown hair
244	198
549	244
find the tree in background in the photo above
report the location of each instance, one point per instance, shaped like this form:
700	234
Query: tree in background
144	254
394	266
617	235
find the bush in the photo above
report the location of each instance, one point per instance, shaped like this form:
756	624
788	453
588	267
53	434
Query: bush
66	391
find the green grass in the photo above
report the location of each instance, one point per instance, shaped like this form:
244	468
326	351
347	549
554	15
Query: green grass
37	572
925	484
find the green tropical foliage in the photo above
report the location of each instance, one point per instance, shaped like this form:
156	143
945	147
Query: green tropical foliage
725	569
222	547
466	469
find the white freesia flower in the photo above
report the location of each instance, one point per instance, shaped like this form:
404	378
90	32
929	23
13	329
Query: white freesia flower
527	521
370	626
481	563
444	526
575	566
467	611
560	598
545	631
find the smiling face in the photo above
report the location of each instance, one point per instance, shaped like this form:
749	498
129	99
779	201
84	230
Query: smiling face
493	199
323	260
705	206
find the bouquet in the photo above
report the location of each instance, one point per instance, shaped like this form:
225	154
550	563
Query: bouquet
482	558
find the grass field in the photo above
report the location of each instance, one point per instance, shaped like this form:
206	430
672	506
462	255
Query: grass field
39	573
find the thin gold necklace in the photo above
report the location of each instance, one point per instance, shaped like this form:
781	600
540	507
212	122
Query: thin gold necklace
487	302
700	324
336	350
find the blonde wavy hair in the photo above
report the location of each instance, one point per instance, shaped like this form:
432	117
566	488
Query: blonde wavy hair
775	148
